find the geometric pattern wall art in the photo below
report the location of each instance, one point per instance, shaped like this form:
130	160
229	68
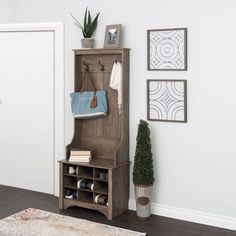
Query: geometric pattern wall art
167	100
167	49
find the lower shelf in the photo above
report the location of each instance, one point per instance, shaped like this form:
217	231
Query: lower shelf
80	203
93	206
85	195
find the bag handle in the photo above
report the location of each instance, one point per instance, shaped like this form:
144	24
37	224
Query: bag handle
93	103
90	78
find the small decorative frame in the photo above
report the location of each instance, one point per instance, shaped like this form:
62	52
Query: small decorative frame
167	49
112	36
167	100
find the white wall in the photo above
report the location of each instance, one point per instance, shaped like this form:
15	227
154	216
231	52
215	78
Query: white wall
5	11
195	163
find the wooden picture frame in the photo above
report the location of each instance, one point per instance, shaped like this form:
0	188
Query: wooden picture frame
167	49
167	100
112	36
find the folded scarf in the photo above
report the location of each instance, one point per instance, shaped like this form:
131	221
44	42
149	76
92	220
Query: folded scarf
116	82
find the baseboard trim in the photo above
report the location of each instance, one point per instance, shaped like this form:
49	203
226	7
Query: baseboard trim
190	215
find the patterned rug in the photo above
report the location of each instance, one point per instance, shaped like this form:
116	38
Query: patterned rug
33	222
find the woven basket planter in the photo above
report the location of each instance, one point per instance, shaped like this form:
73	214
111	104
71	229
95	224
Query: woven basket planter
143	197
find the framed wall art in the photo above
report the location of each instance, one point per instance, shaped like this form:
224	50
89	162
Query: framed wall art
112	36
167	100
167	49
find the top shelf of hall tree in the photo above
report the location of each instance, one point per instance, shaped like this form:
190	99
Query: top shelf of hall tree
99	51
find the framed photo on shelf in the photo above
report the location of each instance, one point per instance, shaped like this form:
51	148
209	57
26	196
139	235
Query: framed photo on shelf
167	49
112	36
167	100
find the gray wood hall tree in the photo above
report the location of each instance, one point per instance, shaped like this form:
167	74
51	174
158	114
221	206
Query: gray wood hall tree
107	138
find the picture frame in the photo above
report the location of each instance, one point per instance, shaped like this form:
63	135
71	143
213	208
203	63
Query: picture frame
167	100
167	49
112	36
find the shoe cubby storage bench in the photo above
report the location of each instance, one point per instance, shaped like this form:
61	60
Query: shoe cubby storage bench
106	137
115	187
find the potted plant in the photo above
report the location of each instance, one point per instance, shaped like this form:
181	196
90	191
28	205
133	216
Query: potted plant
143	176
88	28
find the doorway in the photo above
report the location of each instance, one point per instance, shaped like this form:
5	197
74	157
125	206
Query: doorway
31	106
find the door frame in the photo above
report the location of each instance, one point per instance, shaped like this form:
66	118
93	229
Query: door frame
59	96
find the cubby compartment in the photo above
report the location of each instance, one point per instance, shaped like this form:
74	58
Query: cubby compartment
68	172
85	184
72	191
70	182
101	174
84	196
100	199
100	187
85	172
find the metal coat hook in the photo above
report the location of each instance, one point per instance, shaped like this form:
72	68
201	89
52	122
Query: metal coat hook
102	66
116	61
87	66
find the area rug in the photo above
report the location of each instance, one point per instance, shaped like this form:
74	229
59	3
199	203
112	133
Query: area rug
33	222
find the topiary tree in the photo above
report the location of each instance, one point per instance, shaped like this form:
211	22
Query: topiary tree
143	162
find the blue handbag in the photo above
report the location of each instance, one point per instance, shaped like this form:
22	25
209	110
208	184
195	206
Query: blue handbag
88	104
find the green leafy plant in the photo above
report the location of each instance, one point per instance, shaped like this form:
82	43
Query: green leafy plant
143	163
89	25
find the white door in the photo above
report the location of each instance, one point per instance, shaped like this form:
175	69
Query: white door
27	110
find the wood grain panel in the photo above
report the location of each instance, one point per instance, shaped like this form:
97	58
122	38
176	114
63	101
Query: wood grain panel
114	126
119	190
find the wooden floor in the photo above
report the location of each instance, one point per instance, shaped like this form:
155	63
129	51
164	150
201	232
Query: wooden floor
13	200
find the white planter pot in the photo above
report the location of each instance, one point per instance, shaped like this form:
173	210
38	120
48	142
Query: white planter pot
143	197
87	43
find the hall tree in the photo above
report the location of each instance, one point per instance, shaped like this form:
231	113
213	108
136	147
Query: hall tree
107	138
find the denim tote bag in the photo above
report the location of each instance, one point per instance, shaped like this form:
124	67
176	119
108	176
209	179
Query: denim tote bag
88	104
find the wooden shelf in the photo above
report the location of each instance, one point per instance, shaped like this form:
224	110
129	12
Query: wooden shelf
85	190
85	177
86	200
93	206
102	205
70	175
97	163
70	187
105	193
102	180
100	51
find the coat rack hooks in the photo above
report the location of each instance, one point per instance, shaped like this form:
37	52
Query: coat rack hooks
102	66
87	66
